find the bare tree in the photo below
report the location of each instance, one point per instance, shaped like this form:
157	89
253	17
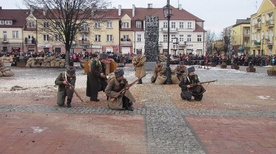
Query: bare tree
226	39
65	17
210	36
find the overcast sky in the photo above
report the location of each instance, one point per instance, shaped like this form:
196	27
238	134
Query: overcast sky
217	14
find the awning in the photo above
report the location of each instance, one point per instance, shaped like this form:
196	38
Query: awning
241	49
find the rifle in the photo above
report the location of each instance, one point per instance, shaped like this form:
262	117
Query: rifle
194	84
124	89
73	89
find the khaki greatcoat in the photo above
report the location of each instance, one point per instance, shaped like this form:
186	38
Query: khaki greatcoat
112	91
138	62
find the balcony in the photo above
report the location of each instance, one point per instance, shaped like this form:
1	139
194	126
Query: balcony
126	43
171	29
182	44
84	42
258	26
84	30
270	42
30	41
246	35
270	23
4	40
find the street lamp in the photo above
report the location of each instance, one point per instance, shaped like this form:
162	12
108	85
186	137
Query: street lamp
167	13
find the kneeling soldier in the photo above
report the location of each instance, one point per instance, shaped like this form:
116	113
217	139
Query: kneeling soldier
117	91
66	82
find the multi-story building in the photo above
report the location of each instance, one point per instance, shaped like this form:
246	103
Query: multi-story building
240	36
12	22
184	27
263	29
121	30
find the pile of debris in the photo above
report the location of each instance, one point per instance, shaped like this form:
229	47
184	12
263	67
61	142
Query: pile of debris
4	72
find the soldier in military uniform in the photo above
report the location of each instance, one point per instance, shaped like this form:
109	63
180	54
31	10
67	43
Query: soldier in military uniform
191	86
138	62
180	70
94	76
66	82
117	100
157	69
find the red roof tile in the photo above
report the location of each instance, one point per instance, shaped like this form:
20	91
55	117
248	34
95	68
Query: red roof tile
17	16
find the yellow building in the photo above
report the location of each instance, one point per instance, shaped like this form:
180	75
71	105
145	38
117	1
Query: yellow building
240	36
263	29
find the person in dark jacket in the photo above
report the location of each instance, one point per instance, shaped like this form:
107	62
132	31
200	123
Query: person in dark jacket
94	76
66	82
191	86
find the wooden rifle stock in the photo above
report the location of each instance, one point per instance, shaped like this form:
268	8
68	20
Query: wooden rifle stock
73	89
194	84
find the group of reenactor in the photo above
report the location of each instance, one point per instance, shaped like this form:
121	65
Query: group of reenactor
116	87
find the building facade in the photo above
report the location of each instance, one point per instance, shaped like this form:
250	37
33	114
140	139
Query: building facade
263	29
121	31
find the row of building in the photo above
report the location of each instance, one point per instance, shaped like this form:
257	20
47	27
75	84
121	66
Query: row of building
255	35
122	31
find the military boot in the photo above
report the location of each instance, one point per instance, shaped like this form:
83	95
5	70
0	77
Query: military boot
139	81
69	102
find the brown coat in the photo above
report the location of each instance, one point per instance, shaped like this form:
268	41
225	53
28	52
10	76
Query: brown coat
138	62
112	91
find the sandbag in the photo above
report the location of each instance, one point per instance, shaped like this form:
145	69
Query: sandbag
161	79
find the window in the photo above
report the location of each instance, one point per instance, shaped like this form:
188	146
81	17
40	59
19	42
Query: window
8	22
189	25
125	37
173	25
97	25
181	24
181	38
165	38
15	34
138	24
58	24
5	35
199	38
109	24
46	24
165	24
109	38
97	38
189	38
139	38
125	25
172	37
46	37
57	37
31	24
2	22
84	37
84	27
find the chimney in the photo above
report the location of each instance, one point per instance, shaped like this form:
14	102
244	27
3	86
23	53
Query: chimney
133	10
180	6
149	5
119	10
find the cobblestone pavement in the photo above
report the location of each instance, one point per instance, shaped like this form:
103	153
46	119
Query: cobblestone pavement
236	115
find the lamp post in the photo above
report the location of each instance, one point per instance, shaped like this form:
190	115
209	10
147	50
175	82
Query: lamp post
167	14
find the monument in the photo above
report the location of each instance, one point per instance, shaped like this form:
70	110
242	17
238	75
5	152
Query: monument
151	41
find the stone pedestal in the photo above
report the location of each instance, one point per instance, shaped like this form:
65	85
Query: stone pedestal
149	66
